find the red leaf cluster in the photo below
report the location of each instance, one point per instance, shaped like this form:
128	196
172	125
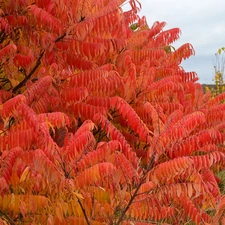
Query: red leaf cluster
99	123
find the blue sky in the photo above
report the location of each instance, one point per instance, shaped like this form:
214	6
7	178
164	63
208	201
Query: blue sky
202	24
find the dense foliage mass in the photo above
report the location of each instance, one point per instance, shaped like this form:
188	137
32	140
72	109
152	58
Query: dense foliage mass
99	122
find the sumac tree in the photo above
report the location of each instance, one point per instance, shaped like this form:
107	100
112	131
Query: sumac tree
99	122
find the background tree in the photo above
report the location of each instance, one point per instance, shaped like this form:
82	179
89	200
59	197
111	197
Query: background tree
99	123
219	71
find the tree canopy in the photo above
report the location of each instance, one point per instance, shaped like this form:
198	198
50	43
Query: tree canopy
99	123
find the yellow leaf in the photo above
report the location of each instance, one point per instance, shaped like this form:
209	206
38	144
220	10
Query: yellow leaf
14	82
20	77
25	174
79	196
10	203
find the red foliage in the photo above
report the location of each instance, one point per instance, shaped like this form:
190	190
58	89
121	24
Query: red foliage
99	123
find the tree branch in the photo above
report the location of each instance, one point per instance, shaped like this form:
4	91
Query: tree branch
84	212
150	166
23	82
59	38
7	218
